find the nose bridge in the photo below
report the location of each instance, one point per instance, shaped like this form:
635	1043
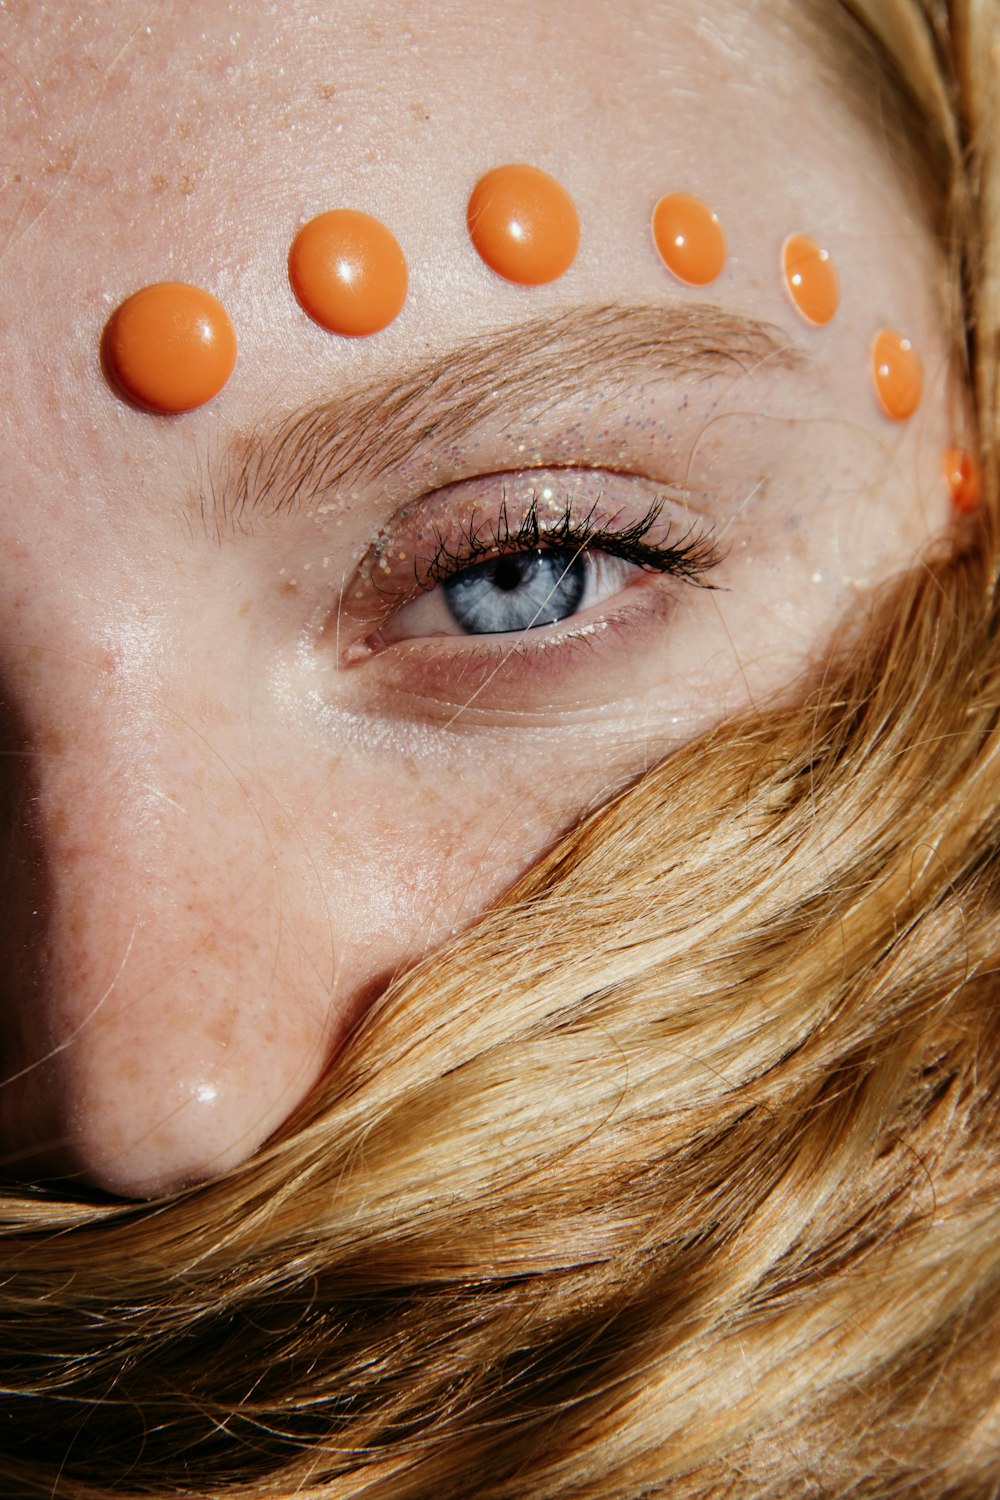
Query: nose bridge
175	1017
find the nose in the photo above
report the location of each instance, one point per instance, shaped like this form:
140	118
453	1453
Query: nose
167	1001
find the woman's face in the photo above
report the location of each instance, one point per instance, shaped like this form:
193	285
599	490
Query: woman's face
252	771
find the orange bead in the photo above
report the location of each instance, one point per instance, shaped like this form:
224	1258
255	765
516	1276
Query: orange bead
689	238
898	374
964	479
348	272
170	347
811	278
524	224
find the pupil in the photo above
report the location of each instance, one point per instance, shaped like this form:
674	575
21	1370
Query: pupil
508	572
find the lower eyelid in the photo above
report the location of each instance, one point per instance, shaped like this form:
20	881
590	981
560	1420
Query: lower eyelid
571	668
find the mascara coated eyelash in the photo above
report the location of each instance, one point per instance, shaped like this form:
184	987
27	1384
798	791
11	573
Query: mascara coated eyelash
689	558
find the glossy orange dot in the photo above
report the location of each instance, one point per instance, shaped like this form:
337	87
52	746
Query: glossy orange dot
524	224
965	479
811	278
348	272
689	238
170	347
898	374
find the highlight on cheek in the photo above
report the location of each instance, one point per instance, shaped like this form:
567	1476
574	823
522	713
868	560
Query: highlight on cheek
898	374
170	347
810	278
689	238
964	478
348	272
524	224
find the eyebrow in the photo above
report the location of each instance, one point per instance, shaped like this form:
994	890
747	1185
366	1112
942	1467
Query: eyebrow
368	431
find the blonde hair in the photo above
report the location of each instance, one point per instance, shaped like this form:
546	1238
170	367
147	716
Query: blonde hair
678	1175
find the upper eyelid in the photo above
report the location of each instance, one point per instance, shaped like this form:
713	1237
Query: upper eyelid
386	578
514	374
485	525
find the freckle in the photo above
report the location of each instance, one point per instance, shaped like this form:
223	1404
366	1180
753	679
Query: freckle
220	1031
290	585
186	184
244	608
325	92
158	182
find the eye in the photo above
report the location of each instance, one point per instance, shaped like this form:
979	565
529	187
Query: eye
513	592
514	553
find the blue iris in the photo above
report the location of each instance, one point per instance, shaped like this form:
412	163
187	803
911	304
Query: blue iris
518	591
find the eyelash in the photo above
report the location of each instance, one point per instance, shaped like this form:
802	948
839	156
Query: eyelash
689	559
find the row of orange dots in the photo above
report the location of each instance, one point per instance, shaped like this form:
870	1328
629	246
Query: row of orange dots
171	347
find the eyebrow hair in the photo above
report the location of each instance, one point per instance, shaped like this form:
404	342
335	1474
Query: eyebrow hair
367	431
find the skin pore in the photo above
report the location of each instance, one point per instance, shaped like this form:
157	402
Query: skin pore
251	769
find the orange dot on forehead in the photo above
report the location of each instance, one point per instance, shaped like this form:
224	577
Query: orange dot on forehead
170	347
689	238
524	224
898	374
811	278
348	272
964	479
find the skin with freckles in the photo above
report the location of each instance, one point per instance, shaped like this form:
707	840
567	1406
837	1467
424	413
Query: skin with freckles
254	764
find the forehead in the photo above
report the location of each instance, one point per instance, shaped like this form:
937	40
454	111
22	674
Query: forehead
177	113
189	142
